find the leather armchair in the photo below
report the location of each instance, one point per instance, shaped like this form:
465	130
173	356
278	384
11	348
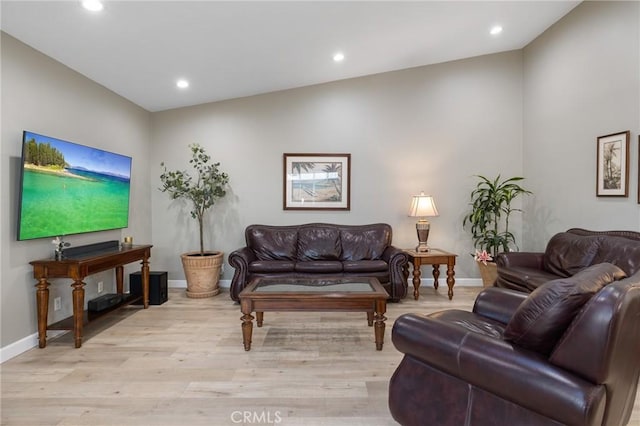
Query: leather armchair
568	353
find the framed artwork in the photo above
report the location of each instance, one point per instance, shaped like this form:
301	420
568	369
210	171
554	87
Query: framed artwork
317	181
613	165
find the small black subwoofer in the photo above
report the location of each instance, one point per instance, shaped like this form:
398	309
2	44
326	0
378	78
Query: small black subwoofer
158	287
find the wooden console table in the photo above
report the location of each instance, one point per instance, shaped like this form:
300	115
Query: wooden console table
434	257
77	268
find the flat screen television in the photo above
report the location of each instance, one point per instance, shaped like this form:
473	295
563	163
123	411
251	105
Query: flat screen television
67	188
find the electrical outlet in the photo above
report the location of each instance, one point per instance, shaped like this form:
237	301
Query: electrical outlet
100	287
57	304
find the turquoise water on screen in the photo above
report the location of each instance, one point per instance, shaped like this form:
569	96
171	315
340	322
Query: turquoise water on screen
53	204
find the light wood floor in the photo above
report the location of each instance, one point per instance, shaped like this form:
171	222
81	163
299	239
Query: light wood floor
183	363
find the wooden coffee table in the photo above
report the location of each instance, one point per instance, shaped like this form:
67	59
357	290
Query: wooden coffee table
305	294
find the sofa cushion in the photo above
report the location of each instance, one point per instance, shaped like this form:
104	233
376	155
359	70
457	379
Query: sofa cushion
622	252
272	244
319	243
364	266
268	266
567	253
319	266
543	317
365	243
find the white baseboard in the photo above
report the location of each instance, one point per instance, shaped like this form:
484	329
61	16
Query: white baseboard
23	345
460	282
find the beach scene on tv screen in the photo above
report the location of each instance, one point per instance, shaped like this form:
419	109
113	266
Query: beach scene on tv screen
69	188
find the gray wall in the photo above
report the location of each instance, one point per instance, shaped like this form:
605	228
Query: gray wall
429	128
581	81
43	96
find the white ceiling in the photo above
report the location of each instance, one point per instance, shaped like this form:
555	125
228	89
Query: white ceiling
226	50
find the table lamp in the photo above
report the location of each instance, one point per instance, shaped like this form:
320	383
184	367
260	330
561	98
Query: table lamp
422	206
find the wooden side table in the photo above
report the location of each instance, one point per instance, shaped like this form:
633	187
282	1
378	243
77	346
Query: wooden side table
434	257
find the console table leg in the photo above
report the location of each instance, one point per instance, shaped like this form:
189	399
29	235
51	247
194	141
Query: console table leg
78	311
259	318
145	282
247	330
370	318
42	300
119	279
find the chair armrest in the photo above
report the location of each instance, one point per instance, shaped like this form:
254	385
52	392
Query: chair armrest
396	259
240	260
499	304
499	367
524	259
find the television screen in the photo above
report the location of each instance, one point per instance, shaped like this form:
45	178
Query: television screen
68	188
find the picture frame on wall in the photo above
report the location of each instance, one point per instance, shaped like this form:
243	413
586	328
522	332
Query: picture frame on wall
612	176
317	182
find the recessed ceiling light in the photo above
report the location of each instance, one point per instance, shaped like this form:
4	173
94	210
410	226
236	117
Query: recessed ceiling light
495	30
338	57
93	5
183	84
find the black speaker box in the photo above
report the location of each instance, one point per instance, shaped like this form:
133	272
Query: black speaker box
158	288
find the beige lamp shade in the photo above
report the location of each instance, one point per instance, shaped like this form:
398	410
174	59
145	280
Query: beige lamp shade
422	206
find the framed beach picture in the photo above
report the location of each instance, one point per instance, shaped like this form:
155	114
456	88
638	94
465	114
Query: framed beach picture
317	181
613	165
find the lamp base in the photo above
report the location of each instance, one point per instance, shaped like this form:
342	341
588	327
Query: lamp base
422	248
422	229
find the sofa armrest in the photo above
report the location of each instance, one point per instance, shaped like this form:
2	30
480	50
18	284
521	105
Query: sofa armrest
240	260
396	259
524	259
499	304
496	366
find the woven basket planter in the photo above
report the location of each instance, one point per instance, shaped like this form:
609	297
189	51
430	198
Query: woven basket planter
489	273
202	273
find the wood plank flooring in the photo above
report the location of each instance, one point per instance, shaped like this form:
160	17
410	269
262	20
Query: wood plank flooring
183	363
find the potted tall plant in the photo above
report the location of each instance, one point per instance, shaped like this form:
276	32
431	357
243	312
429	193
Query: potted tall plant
208	185
488	221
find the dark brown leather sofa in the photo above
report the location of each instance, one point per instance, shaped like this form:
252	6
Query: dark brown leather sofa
320	249
566	354
566	254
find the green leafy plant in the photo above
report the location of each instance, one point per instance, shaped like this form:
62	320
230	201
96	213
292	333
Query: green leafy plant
203	190
491	207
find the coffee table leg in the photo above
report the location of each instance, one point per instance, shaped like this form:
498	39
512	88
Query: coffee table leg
247	330
381	308
370	318
259	317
